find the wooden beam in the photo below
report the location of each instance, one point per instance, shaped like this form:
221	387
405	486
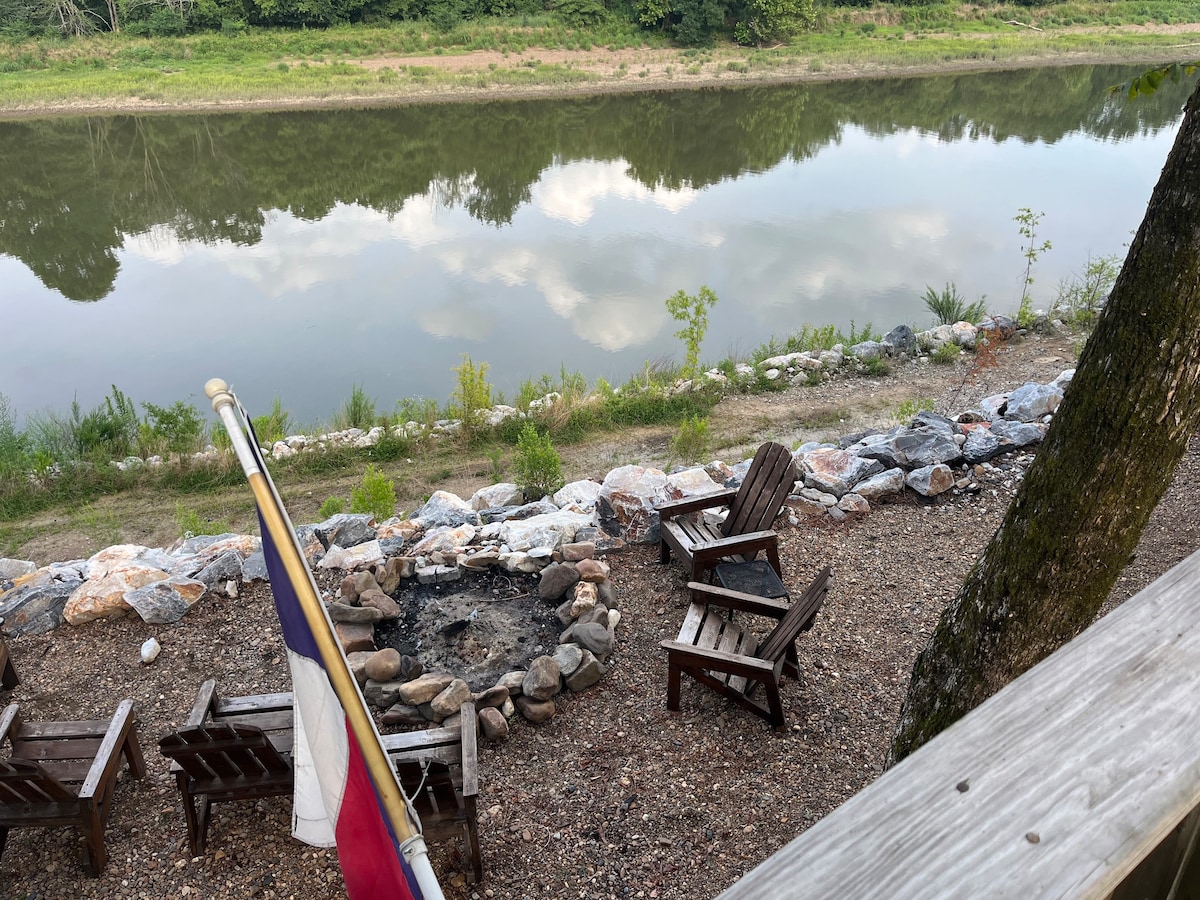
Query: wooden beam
1058	786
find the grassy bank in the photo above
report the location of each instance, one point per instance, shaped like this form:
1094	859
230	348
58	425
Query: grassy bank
412	61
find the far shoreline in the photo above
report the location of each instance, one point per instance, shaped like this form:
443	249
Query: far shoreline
797	72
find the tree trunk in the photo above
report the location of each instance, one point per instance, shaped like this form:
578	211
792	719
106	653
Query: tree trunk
1106	461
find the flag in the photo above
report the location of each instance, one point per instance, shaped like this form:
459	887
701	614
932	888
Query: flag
335	799
346	792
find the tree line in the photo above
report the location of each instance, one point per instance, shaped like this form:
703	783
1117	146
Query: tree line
689	22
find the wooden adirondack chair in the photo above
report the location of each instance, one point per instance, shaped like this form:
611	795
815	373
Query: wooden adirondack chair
239	748
8	672
438	769
716	651
745	532
64	773
231	749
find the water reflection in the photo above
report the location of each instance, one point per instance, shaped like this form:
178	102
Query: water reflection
533	233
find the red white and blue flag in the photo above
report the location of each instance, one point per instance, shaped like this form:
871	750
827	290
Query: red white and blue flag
336	802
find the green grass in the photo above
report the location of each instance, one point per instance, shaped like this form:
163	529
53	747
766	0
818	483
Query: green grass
268	65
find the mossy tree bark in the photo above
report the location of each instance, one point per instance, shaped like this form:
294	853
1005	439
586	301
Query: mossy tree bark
1106	461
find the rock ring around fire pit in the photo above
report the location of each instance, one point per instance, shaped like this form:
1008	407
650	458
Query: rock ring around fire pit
423	636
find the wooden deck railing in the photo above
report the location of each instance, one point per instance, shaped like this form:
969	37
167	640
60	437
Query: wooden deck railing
1079	779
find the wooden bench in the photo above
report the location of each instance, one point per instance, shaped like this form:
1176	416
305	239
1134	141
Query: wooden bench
240	748
64	773
724	655
439	771
745	531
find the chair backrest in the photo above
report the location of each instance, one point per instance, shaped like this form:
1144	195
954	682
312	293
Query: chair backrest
799	617
220	753
768	482
23	781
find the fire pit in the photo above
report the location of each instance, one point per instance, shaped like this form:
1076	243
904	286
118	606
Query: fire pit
479	627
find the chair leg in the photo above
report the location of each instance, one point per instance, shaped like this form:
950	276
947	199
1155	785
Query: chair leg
664	552
775	703
197	820
133	755
9	679
773	559
94	856
473	842
3	840
673	679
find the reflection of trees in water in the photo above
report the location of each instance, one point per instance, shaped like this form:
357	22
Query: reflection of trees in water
72	188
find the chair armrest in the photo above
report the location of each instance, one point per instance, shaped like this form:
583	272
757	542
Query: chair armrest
695	504
747	666
470	751
108	757
711	595
206	700
10	722
735	544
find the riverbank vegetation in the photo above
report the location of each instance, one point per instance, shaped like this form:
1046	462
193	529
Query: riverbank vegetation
81	53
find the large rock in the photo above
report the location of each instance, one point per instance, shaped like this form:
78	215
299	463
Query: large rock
226	567
99	598
885	484
693	482
556	579
347	529
910	448
589	671
899	340
166	601
627	501
444	539
36	607
445	508
424	688
11	569
1018	434
1031	401
543	680
929	481
502	494
836	471
582	494
982	445
546	531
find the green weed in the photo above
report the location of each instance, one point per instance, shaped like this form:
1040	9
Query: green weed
375	495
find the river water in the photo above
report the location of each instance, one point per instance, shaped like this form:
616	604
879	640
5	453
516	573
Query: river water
296	254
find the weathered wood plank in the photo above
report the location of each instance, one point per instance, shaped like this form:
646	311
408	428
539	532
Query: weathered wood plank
1094	751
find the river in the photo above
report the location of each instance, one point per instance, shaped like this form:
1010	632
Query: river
297	254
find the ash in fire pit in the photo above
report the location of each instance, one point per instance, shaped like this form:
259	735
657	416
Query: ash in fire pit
477	628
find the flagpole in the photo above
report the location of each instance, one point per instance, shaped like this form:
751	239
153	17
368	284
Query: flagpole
275	517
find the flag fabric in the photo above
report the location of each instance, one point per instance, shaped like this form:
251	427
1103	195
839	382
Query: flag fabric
336	801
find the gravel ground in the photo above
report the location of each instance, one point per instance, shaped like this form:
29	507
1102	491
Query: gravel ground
615	797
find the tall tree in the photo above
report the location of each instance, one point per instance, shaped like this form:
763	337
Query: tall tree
1106	461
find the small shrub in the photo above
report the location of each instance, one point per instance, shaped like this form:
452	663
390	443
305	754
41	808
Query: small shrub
331	507
875	367
950	306
472	396
376	495
537	464
946	354
1080	296
191	523
908	409
691	443
496	459
693	313
356	412
177	428
273	426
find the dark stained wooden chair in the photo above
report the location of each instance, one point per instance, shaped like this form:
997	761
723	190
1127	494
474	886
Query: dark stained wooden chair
238	748
716	651
438	769
64	773
746	530
8	672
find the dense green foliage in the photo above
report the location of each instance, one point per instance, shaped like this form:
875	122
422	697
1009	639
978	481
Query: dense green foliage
375	495
537	464
949	306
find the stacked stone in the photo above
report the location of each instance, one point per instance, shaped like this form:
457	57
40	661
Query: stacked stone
397	684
